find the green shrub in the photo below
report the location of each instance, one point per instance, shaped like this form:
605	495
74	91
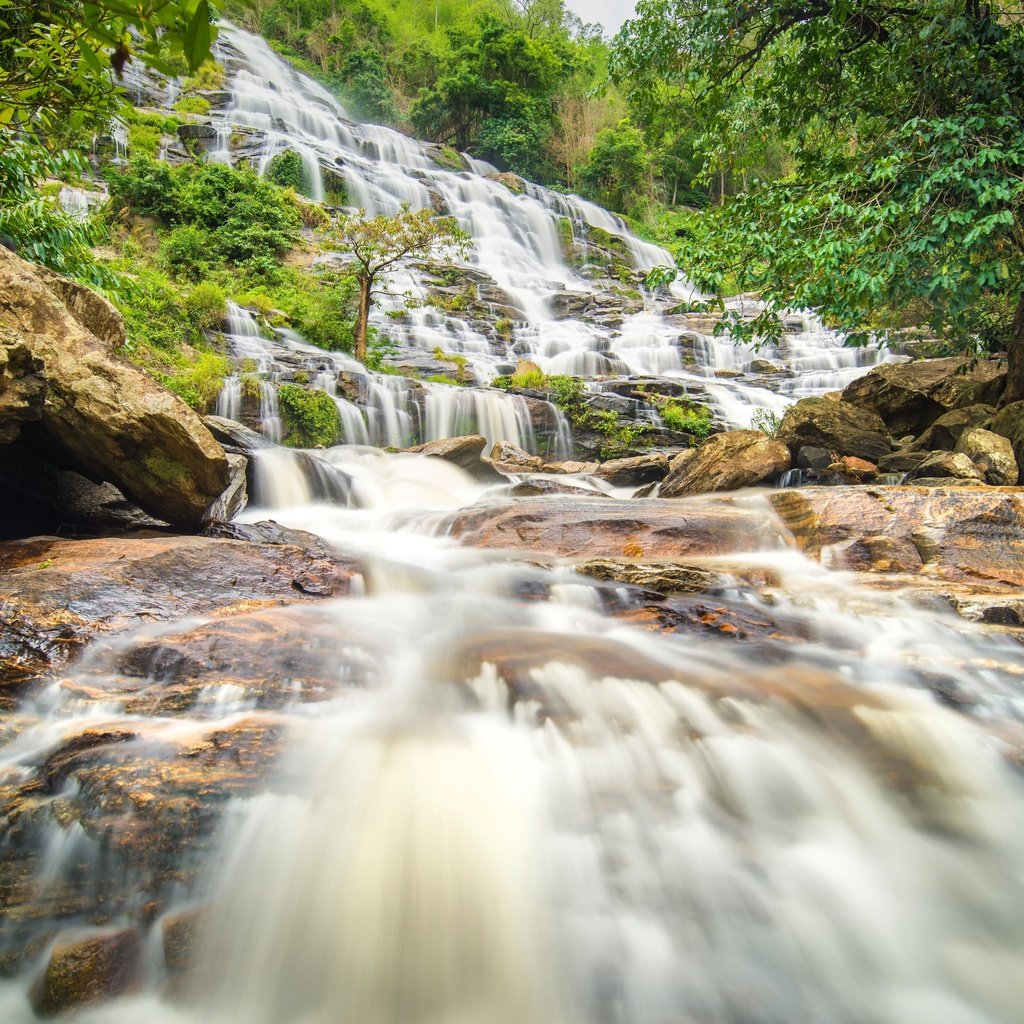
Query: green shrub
188	252
287	170
310	418
199	380
193	105
206	305
687	417
530	378
207	77
766	420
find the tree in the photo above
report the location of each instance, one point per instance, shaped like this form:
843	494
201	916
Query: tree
380	244
618	171
907	127
56	57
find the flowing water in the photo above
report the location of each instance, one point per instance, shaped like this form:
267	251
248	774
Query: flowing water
512	805
535	268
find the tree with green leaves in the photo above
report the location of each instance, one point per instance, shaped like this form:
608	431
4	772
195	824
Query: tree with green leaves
382	244
906	123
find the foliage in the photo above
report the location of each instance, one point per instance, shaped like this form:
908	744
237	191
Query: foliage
905	200
766	420
56	58
35	226
687	417
618	170
380	244
220	213
145	130
206	306
310	418
193	105
287	170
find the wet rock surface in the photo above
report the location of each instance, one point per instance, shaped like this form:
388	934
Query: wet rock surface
727	462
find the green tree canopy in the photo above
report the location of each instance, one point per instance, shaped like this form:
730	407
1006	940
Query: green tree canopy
907	128
380	244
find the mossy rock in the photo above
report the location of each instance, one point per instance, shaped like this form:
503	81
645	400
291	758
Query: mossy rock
309	419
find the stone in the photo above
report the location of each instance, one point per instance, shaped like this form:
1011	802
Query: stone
87	970
1009	423
463	452
842	429
236	495
962	534
662	577
991	453
901	461
948	464
641	469
601	527
509	454
200	132
535	486
179	936
22	386
239	436
946	430
853	468
910	396
107	418
817	460
727	373
570	468
726	462
766	366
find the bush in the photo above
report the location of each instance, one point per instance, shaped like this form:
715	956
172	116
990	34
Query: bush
193	105
766	420
687	417
198	380
288	170
310	418
207	77
206	305
187	252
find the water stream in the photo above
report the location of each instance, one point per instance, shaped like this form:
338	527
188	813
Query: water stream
515	806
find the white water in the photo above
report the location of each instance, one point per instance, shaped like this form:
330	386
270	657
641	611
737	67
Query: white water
643	835
517	246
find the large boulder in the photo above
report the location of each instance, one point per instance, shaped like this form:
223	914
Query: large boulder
990	453
464	452
910	396
22	386
632	472
1010	424
947	465
726	462
946	430
842	429
104	416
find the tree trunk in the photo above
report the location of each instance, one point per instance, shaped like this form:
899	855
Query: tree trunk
362	316
1015	358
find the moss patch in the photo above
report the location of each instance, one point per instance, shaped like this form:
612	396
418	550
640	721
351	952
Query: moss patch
310	418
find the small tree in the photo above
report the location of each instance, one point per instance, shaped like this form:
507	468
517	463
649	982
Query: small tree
380	244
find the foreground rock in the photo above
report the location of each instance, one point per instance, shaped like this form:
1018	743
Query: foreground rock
727	462
464	452
106	417
991	453
57	593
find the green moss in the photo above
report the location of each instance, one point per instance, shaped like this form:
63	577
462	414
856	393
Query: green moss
310	418
442	378
207	77
165	469
504	328
446	156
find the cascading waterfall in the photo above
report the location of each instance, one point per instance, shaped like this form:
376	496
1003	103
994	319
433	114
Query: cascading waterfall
518	246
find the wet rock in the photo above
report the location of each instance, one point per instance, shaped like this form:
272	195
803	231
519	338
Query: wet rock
236	494
538	485
239	436
842	429
57	594
105	416
991	453
463	452
939	465
88	970
599	527
642	469
901	461
971	534
570	468
910	396
766	366
946	430
854	469
179	938
662	577
196	132
726	462
512	455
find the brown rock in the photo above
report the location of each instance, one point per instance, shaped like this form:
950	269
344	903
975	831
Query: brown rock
1009	423
971	534
910	396
946	430
940	465
111	419
991	453
570	468
658	530
87	970
509	454
663	577
641	469
726	462
464	452
853	468
180	933
841	428
22	385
